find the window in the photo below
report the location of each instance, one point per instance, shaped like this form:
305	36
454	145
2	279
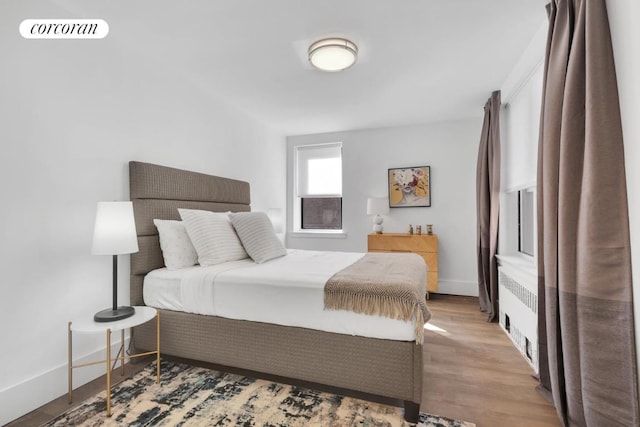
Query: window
318	187
321	213
526	217
518	226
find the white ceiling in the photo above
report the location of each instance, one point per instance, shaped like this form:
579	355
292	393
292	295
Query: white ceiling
420	60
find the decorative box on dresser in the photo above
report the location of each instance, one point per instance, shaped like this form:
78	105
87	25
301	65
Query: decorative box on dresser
425	245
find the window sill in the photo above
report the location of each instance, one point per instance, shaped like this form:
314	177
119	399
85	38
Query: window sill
524	263
320	234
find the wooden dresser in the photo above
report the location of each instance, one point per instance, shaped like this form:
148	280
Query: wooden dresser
425	245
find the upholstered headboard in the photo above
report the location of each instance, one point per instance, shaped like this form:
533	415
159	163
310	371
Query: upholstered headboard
157	192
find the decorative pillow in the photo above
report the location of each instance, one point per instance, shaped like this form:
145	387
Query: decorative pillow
257	236
177	250
213	236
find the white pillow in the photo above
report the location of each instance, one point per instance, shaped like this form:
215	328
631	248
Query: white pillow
213	236
257	235
177	250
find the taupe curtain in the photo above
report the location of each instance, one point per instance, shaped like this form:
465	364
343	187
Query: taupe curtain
488	206
587	354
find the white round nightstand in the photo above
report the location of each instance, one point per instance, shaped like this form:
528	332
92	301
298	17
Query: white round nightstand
142	315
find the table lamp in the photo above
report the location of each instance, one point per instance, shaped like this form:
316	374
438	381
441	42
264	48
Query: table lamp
377	206
275	215
114	233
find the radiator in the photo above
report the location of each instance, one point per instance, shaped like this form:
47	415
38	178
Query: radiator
518	295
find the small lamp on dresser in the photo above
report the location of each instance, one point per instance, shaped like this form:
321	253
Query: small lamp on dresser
377	206
275	216
114	234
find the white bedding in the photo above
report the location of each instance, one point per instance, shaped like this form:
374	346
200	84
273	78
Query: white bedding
285	291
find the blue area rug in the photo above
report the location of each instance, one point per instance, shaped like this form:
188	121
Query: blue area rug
194	396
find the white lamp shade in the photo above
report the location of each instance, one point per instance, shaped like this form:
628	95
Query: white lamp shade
377	206
114	231
275	215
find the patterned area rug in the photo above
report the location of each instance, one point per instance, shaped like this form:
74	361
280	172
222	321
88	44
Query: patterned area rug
194	396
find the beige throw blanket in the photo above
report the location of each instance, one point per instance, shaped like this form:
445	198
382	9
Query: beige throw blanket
383	284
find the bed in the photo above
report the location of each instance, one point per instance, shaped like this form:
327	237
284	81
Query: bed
382	367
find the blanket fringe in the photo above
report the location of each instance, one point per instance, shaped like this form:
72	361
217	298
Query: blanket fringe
378	305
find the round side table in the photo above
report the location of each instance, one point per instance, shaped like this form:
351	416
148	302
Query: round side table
87	326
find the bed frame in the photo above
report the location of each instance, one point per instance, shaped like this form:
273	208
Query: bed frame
380	367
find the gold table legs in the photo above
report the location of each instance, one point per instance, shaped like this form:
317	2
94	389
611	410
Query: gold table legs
120	356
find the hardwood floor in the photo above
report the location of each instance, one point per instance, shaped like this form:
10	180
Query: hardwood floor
472	372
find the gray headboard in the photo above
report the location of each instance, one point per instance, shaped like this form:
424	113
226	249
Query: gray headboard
157	192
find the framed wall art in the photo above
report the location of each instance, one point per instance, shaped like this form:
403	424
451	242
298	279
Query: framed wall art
410	187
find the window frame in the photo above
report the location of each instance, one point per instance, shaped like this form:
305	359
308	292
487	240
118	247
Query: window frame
297	223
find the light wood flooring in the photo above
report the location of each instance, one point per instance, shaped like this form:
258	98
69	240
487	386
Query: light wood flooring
472	372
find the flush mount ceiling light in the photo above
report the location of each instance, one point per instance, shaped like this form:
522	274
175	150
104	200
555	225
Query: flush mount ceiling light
333	54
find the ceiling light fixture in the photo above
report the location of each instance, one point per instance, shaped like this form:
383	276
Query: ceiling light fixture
333	54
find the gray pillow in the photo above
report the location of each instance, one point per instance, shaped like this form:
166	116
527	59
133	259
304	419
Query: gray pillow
257	236
212	236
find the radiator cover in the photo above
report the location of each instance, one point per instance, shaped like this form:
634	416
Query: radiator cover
518	295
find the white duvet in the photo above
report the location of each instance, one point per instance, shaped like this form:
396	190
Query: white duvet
286	291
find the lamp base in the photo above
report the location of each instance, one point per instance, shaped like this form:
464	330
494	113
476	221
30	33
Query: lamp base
111	315
377	224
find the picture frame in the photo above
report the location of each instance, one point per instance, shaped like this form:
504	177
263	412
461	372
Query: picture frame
409	187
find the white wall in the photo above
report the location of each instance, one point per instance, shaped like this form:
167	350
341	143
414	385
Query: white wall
72	114
624	16
451	149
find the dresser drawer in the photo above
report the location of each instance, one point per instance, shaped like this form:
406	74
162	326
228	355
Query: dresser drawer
431	258
432	281
403	242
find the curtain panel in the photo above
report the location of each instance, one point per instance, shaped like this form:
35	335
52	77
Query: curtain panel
586	337
488	207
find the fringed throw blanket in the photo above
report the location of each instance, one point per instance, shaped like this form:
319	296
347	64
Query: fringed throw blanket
382	284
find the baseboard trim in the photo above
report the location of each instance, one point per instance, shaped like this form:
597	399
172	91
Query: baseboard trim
20	399
457	287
